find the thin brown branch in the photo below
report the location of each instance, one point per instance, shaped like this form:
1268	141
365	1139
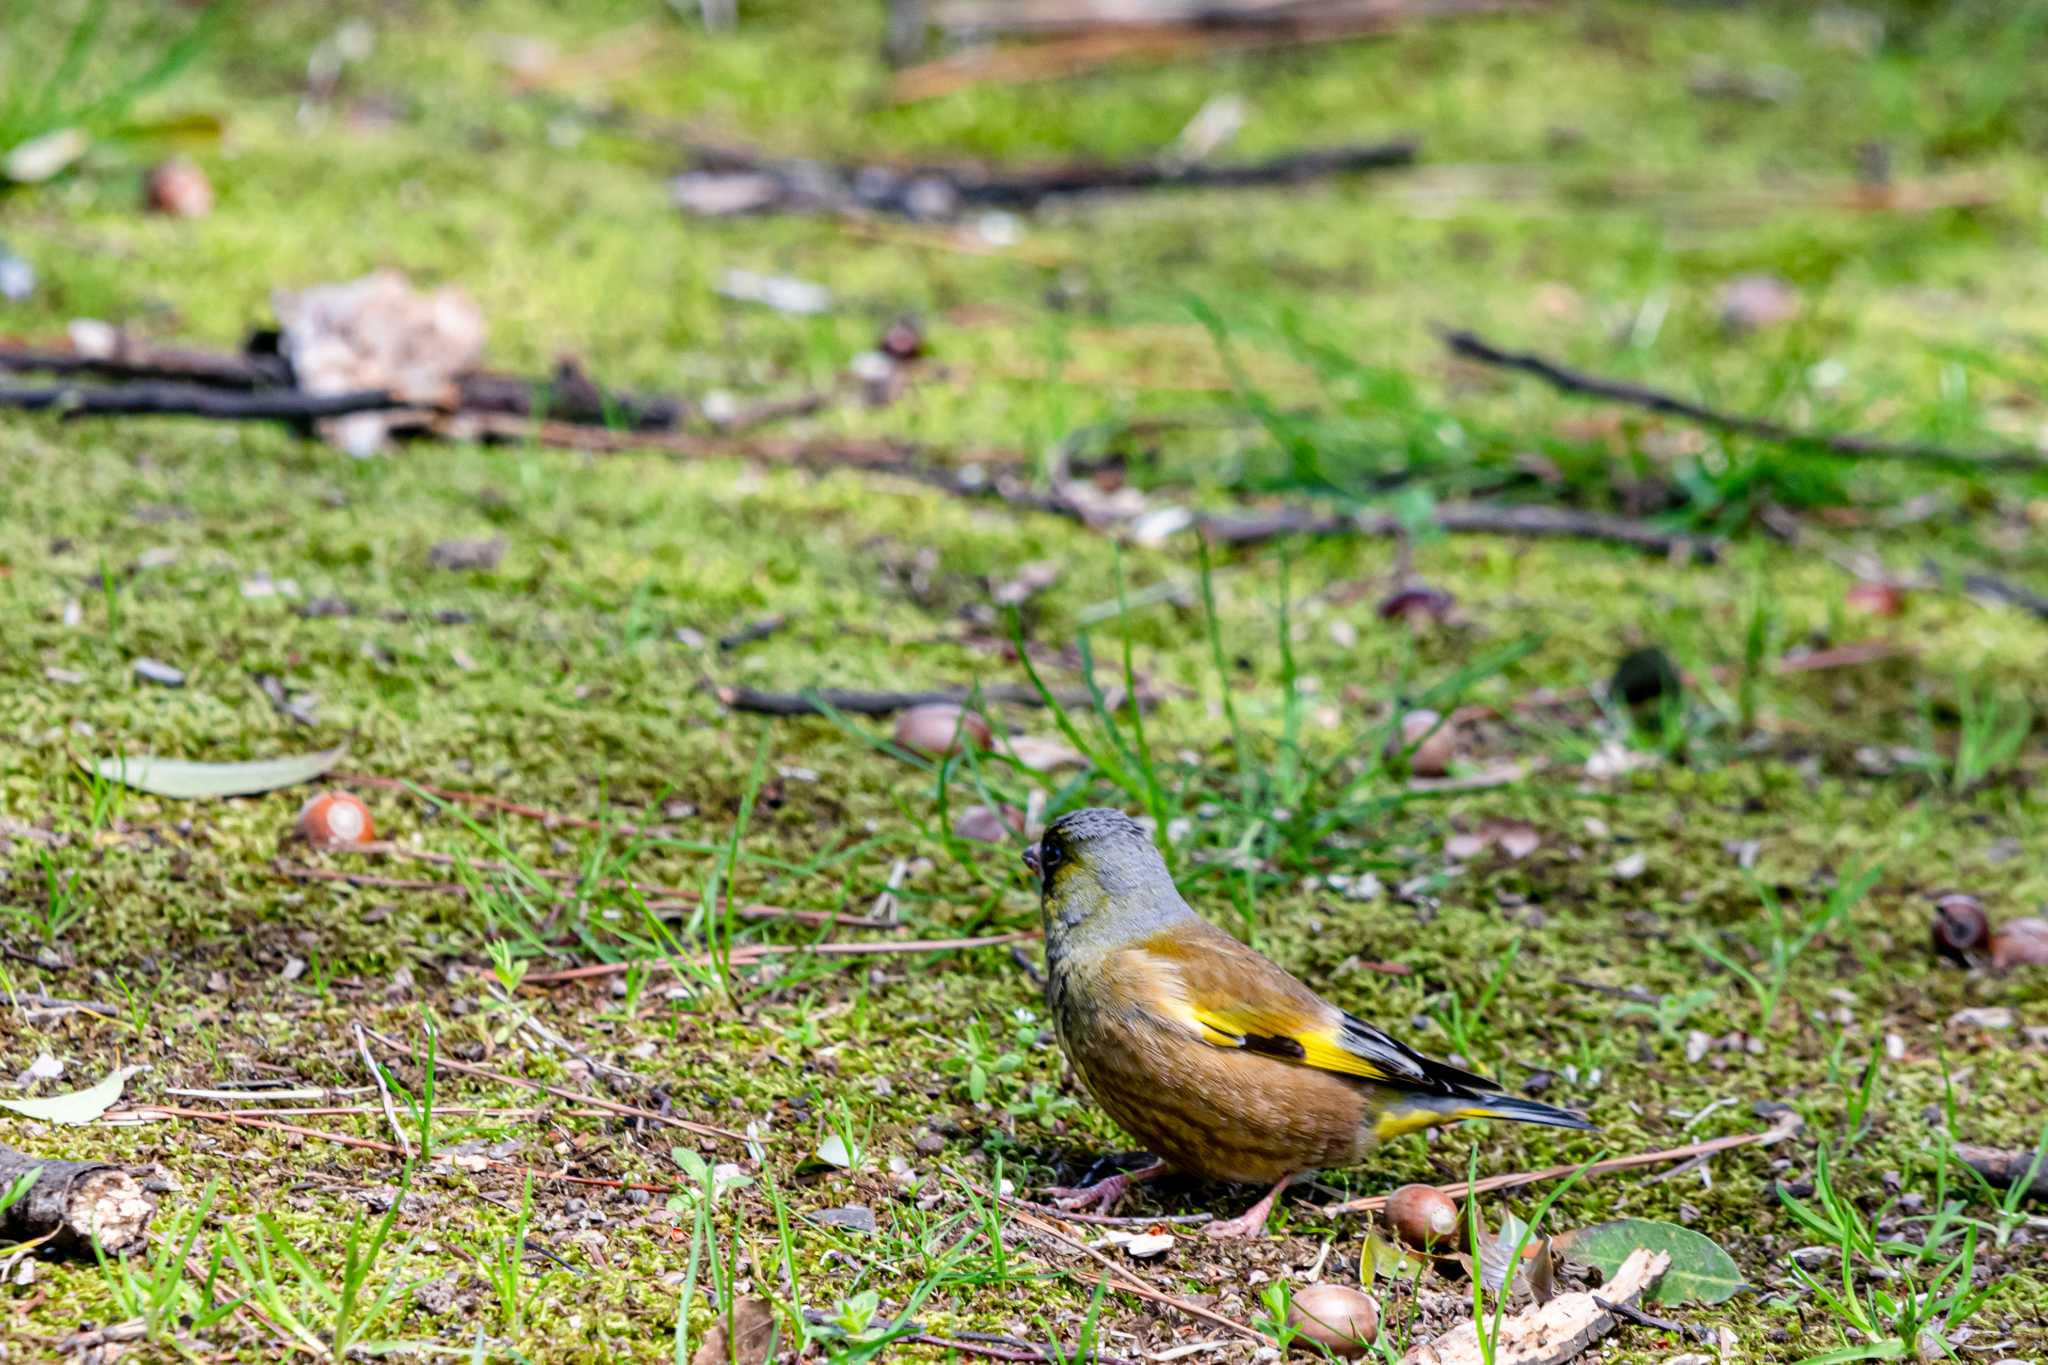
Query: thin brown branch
659	899
370	1144
816	703
1785	1127
1075	53
1578	382
489	802
755	952
1120	1279
634	1111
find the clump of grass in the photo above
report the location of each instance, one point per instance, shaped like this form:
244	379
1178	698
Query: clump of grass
94	80
1780	940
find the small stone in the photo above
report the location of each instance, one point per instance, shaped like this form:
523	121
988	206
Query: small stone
1994	1019
158	672
468	556
178	188
1147	1245
929	1144
853	1217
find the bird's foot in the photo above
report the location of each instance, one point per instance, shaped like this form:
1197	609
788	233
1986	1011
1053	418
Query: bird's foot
1251	1223
1101	1197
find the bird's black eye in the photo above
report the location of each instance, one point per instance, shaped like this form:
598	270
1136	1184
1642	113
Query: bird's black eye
1051	856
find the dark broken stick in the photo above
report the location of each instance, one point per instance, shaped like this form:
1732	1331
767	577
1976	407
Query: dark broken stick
1467	519
1565	380
71	1202
2007	1168
567	395
192	400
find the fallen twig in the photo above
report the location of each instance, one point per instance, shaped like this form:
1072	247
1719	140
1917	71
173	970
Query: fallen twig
1628	1312
753	952
1786	1125
2006	1168
659	899
2011	594
1473	347
489	802
817	703
568	395
70	1203
367	1144
1119	1278
730	181
1467	519
633	1111
383	1090
191	400
1196	35
35	1002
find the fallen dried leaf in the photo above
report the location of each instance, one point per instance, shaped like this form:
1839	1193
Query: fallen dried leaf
1550	1333
750	1340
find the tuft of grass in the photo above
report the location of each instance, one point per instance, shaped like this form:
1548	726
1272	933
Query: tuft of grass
1780	940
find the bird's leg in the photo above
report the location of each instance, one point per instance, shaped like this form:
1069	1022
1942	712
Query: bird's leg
1252	1222
1103	1195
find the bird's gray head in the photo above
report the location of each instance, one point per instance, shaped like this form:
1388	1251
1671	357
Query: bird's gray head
1098	868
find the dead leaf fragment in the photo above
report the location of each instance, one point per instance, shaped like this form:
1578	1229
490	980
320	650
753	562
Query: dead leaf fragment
750	1342
2020	943
1550	1333
1045	755
468	556
378	333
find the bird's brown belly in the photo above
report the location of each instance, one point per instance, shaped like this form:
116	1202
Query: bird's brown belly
1221	1113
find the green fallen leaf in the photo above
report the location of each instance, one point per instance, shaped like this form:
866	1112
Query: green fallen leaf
80	1106
1700	1271
1387	1261
176	778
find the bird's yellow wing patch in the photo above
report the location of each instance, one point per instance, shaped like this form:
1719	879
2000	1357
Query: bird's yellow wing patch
1278	1035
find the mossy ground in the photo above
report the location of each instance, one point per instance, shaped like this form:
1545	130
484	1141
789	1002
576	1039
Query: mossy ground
1573	188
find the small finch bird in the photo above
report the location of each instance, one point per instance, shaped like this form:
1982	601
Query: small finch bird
1219	1061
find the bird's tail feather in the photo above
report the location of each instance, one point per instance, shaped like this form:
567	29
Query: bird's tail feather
1412	1113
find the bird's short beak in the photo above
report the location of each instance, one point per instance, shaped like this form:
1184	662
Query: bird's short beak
1031	859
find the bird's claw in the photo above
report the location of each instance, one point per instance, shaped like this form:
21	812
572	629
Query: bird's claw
1251	1224
1103	1196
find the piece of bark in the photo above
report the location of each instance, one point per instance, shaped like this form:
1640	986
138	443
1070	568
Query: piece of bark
70	1200
2005	1168
1550	1333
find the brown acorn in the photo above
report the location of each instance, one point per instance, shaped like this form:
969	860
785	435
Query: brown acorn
939	729
336	820
1433	739
1961	927
1334	1315
1424	1217
178	188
